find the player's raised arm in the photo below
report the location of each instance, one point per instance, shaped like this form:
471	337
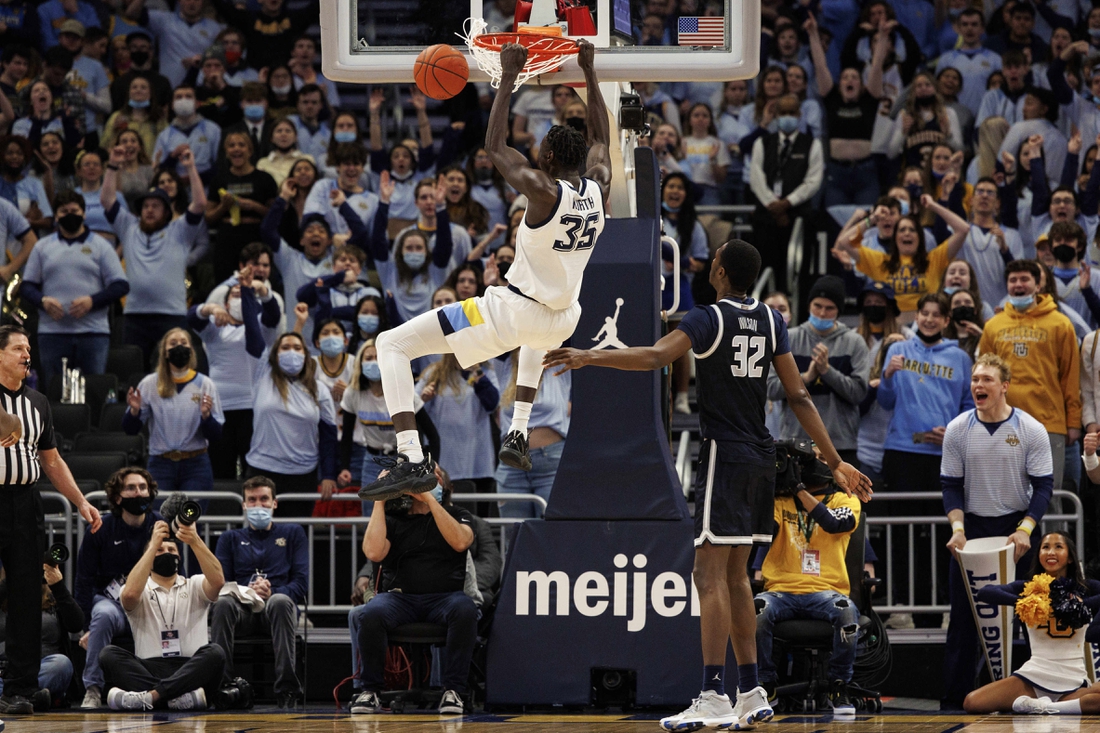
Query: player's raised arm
636	359
798	399
512	164
597	126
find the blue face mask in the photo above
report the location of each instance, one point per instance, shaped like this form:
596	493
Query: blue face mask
950	289
904	207
437	492
1095	33
670	209
291	362
259	517
1021	302
914	191
822	324
1065	273
332	346
415	260
139	105
371	371
368	323
345	136
254	112
788	124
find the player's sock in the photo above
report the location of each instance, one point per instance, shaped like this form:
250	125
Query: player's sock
714	678
408	442
520	417
746	677
1070	707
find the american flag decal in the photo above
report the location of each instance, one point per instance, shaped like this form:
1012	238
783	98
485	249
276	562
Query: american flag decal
692	31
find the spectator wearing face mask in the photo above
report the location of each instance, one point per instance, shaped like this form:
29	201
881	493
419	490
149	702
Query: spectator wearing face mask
139	44
460	403
220	325
334	367
272	560
72	277
371	319
489	188
184	414
368	428
142	113
293	416
190	129
414	268
337	294
967	321
1040	346
960	275
257	124
405	167
834	363
181	36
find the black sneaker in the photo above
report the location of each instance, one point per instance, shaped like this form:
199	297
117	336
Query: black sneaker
41	701
838	699
287	700
514	451
402	477
15	705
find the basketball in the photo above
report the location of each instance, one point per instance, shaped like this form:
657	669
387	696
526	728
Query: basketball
440	71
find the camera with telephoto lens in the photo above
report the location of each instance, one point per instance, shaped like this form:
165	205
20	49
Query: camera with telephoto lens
399	505
179	511
56	555
237	695
797	467
188	515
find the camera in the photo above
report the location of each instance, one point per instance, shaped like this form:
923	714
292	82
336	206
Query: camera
399	505
631	113
797	467
189	514
56	555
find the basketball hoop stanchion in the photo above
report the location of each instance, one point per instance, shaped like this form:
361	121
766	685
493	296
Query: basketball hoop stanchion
547	50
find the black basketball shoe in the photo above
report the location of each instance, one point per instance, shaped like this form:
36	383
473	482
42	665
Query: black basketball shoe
402	477
514	451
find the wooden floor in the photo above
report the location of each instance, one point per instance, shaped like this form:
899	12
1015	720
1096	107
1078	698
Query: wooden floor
320	720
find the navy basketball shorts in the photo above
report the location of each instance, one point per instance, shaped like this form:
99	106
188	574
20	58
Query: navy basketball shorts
734	500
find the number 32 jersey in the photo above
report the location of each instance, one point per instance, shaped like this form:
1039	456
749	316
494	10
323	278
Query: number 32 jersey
551	256
734	342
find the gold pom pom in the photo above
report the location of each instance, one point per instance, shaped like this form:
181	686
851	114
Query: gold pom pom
1034	610
1039	584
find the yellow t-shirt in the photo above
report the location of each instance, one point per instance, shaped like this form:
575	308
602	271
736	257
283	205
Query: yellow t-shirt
784	569
908	284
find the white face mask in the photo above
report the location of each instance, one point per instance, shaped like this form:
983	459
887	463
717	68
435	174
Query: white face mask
234	309
281	90
184	107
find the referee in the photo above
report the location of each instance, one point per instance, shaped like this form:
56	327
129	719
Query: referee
26	451
997	477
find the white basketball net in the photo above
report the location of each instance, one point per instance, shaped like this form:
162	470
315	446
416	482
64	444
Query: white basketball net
488	60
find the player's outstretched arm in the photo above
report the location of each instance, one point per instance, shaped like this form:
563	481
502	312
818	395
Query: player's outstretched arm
636	359
512	164
597	125
847	476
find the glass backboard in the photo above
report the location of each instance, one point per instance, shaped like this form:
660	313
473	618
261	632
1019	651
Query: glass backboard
376	41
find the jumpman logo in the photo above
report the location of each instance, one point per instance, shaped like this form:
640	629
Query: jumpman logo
717	678
610	331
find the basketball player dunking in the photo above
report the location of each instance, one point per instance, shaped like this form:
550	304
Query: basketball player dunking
539	309
735	343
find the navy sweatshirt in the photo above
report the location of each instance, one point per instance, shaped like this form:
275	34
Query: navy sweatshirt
281	551
107	554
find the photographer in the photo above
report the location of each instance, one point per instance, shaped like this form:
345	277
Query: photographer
104	561
805	575
174	663
61	616
422	547
273	560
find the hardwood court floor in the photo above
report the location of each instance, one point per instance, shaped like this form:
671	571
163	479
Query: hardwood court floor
319	720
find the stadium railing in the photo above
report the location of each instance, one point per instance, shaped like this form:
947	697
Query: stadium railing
344	535
938	539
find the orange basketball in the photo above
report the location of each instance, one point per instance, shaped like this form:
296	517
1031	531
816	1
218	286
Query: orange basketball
440	71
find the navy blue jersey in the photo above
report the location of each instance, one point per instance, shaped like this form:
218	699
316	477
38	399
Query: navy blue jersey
734	343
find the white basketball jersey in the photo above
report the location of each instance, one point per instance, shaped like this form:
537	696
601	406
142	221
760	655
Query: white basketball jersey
551	257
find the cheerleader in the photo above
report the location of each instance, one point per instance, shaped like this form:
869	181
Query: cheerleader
1055	605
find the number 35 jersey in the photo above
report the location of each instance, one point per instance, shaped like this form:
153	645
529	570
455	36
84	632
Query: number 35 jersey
551	256
734	342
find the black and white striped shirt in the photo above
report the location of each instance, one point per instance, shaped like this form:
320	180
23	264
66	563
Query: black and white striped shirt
19	464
